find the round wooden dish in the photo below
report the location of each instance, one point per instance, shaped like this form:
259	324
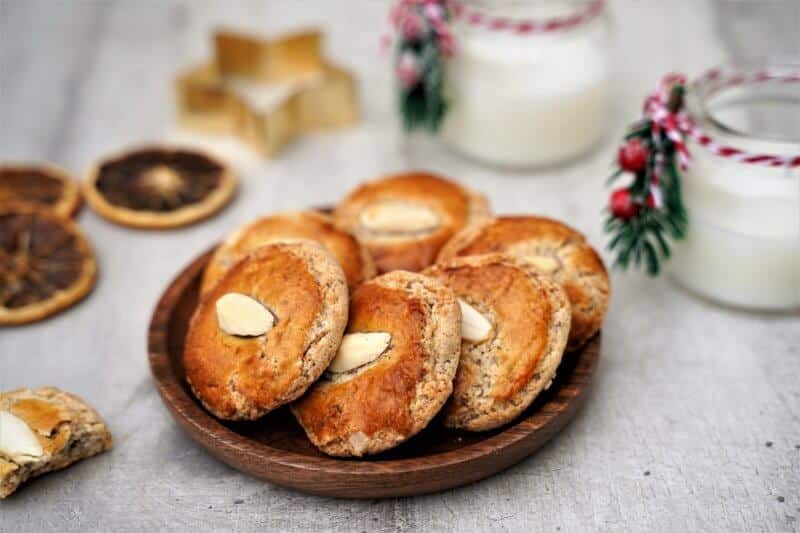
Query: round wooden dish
276	449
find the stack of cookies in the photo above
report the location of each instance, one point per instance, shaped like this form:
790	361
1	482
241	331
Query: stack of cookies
408	301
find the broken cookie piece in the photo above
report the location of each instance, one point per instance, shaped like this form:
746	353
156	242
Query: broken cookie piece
45	429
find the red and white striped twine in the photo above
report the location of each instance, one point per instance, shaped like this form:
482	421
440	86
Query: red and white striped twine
476	17
716	80
742	156
676	125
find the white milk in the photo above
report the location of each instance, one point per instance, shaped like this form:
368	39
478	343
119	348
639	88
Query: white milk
527	100
743	245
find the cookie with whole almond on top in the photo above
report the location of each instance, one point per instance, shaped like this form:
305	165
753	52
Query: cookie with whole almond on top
404	219
393	372
554	249
515	324
266	330
45	429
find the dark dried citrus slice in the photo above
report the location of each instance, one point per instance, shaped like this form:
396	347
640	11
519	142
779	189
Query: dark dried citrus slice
46	264
43	186
157	187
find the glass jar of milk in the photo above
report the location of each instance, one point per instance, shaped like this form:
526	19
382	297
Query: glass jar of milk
528	84
743	244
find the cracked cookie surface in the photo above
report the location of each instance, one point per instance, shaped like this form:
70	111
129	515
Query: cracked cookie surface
245	377
66	428
499	377
556	250
381	404
354	259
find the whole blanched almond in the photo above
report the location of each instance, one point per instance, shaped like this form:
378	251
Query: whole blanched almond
358	349
243	316
543	263
399	217
474	326
17	438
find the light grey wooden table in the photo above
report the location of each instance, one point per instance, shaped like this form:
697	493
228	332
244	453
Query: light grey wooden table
694	420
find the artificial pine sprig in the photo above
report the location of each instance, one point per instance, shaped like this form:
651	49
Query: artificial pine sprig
649	213
424	41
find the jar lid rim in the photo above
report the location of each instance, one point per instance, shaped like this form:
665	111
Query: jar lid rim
737	74
475	16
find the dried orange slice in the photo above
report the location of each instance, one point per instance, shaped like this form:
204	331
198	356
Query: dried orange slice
159	188
46	264
43	186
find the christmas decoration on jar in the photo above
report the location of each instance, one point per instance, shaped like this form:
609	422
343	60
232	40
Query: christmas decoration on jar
712	181
517	84
424	40
649	211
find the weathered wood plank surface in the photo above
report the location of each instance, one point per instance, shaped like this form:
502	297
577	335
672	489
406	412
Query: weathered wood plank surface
687	392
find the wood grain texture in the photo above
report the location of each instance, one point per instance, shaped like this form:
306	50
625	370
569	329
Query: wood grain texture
686	391
276	449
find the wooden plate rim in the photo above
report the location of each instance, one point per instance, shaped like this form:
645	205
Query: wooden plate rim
218	439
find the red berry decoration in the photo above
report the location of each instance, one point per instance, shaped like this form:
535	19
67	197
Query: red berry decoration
648	213
632	155
622	205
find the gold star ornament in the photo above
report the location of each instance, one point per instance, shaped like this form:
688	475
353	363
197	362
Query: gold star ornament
266	92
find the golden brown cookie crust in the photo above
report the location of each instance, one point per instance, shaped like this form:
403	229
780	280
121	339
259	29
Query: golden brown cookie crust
65	426
455	205
243	378
69	196
60	299
354	258
382	404
498	378
143	219
580	270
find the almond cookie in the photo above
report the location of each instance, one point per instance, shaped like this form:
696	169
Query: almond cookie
158	187
555	249
267	330
354	259
404	219
515	324
45	429
394	369
43	186
46	264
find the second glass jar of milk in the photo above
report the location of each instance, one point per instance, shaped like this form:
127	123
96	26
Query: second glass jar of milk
528	84
743	244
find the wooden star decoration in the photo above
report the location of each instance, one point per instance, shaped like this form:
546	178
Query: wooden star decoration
266	92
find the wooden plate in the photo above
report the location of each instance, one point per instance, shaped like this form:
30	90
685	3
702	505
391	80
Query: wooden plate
276	449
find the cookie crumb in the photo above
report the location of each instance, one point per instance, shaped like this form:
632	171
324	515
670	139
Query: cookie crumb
768	444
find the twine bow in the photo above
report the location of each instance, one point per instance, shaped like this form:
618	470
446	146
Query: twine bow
408	19
664	107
